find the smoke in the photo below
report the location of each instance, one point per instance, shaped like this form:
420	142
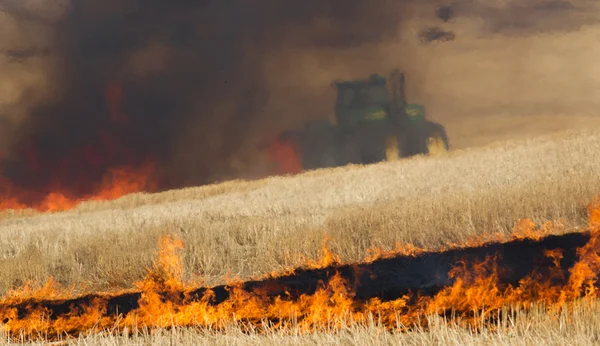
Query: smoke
507	58
195	85
183	83
26	38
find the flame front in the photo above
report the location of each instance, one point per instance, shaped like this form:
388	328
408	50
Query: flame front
104	166
476	296
285	156
117	182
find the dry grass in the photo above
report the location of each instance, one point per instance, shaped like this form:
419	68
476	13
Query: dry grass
487	89
252	228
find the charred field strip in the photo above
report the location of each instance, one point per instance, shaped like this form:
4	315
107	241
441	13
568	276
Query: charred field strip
386	279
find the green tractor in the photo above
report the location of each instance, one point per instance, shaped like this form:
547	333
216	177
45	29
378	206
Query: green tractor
374	123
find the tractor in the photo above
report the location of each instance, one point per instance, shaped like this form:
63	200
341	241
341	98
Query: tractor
374	123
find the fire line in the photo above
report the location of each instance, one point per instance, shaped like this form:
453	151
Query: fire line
402	285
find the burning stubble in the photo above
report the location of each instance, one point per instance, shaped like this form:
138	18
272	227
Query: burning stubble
191	89
469	284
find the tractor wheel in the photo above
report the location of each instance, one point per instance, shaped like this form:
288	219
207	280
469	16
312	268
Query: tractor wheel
392	149
437	140
396	145
436	145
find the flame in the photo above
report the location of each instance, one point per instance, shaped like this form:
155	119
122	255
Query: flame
476	296
117	182
523	229
327	257
399	249
103	166
526	229
285	155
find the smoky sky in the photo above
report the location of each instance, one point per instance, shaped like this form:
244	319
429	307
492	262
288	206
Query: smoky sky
97	83
189	72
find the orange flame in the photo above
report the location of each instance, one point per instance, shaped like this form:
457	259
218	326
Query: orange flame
96	156
285	155
400	249
327	256
116	183
477	295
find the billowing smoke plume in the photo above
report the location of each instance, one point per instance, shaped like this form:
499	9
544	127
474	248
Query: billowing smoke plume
27	65
194	85
92	84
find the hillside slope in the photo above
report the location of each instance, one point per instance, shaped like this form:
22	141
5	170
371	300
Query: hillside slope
255	227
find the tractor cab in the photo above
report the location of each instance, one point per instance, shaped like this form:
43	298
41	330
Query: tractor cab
367	101
362	101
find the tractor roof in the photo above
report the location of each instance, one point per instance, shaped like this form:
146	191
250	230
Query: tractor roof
374	79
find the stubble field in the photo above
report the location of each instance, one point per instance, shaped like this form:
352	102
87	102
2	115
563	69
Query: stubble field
247	229
520	110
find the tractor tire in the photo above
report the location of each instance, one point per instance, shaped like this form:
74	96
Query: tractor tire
396	144
437	139
392	150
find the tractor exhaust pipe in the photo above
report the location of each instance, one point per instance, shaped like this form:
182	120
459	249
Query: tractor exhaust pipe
398	96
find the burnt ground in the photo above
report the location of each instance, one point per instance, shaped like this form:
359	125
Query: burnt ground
386	279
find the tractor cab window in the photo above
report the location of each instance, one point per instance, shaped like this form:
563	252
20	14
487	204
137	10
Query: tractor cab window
363	96
376	95
346	97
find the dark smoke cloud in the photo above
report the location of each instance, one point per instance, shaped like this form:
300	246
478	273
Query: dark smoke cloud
192	84
191	73
26	37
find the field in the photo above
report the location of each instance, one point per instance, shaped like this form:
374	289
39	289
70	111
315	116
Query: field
247	229
520	104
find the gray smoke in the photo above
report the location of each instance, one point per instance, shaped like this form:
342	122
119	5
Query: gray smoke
204	81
